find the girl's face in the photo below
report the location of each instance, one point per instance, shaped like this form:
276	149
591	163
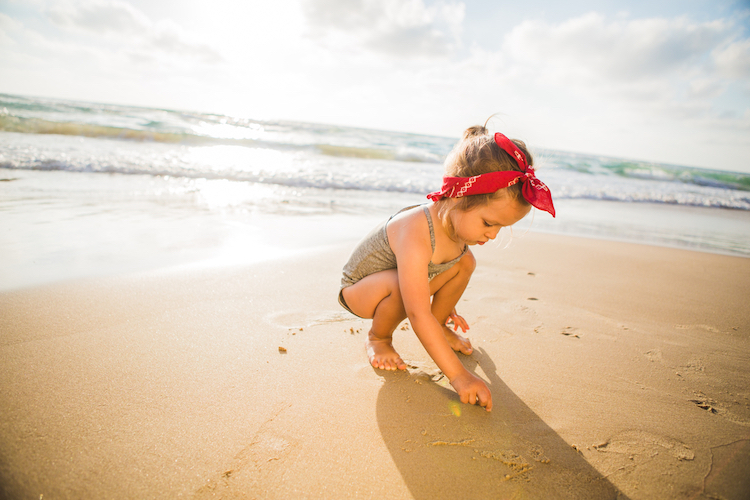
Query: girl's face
481	224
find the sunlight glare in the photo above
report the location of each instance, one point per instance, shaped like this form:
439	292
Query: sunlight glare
252	131
239	158
222	193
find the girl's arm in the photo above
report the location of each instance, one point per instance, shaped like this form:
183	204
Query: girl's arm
413	253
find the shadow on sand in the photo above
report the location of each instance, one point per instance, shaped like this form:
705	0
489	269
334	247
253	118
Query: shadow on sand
445	449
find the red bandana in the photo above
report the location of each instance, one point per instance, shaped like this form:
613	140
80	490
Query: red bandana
534	190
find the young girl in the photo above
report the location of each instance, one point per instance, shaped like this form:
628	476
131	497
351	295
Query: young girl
423	252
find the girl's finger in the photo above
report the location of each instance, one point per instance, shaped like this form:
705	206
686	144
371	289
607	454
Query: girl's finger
461	323
486	401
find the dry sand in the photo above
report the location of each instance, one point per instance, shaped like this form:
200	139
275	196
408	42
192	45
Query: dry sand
617	371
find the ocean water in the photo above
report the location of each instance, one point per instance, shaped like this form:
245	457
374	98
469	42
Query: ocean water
89	189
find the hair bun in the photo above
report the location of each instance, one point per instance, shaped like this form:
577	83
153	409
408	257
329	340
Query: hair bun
475	131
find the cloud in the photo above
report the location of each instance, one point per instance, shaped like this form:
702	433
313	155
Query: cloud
733	60
660	67
402	28
29	47
170	38
622	49
588	83
8	27
110	16
129	30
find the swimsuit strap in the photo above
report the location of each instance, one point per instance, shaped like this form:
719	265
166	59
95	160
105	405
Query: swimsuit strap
432	231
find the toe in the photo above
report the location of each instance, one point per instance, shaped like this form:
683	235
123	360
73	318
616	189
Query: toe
466	347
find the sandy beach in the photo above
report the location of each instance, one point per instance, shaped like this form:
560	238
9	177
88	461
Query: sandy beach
617	371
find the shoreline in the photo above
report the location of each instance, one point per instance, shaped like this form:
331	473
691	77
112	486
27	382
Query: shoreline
616	368
63	225
66	226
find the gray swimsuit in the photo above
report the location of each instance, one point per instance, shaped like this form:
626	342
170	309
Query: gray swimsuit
374	254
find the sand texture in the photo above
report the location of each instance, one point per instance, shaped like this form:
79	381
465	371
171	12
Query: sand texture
617	371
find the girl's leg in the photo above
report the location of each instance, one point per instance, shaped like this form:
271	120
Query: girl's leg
447	288
378	297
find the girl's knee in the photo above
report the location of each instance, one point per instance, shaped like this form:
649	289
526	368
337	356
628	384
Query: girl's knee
390	280
467	264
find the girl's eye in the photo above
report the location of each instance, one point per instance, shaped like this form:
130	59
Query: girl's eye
487	224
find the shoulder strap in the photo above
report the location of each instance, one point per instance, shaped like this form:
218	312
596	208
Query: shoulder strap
432	231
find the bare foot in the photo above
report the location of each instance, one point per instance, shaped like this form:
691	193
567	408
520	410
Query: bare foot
457	342
382	355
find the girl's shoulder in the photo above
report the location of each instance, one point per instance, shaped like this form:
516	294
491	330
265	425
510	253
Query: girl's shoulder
409	226
414	218
408	212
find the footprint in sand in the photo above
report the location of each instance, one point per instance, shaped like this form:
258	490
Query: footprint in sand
645	444
295	319
733	413
569	331
654	355
651	458
708	328
695	365
253	465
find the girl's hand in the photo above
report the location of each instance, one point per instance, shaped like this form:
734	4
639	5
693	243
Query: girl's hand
472	390
458	322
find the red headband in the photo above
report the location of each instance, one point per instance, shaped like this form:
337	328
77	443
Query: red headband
534	190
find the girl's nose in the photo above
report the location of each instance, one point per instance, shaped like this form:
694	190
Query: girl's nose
492	233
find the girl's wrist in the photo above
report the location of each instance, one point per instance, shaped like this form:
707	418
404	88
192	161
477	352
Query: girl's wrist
457	373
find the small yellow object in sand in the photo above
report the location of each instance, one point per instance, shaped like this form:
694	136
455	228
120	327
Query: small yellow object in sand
455	408
282	349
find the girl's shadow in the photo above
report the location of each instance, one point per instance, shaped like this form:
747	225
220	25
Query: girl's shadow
445	449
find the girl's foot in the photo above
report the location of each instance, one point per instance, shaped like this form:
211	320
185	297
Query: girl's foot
457	342
382	355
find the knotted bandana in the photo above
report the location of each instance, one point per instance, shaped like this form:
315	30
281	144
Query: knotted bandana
534	190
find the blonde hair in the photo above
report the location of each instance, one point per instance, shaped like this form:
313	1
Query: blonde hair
475	154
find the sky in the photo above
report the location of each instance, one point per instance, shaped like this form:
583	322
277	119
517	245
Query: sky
664	81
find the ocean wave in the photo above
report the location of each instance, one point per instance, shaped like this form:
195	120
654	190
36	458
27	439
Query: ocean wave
652	172
408	182
9	123
310	179
378	154
699	177
47	134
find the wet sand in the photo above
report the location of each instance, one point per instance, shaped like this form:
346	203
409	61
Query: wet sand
617	371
